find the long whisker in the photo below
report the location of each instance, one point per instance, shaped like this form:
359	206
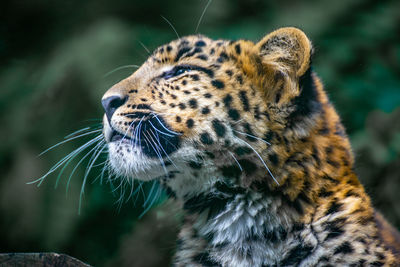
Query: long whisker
237	162
87	173
121	186
69	139
63	169
238	121
263	162
172	26
126	132
101	163
127	184
162	125
105	168
202	15
79	163
145	48
140	188
157	151
66	159
158	141
76	132
156	196
155	128
110	181
120	68
100	146
150	193
137	131
253	136
134	192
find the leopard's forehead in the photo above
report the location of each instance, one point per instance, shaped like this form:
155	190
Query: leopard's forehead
190	47
198	49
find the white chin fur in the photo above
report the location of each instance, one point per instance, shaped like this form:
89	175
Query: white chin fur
128	161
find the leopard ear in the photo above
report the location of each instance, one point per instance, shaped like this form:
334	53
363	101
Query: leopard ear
288	49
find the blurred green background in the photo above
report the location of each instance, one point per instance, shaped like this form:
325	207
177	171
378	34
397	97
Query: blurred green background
55	57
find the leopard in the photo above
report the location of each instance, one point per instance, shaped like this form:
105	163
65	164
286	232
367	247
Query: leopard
243	137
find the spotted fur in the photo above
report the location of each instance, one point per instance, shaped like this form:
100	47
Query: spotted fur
244	136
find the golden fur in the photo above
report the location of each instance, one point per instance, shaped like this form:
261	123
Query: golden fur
262	104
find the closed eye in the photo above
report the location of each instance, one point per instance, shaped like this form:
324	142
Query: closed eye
176	71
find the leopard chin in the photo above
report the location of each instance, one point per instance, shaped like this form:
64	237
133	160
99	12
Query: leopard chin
127	158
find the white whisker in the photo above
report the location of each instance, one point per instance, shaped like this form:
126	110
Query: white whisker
126	132
253	136
70	139
157	151
79	162
76	132
237	162
137	132
120	68
151	192
145	48
155	197
66	159
162	125
105	168
155	128
172	26
202	15
136	190
166	154
87	173
263	162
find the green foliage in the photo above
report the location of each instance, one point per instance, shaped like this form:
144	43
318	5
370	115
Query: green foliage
58	58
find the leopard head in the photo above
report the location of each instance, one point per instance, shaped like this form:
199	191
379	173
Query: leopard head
200	111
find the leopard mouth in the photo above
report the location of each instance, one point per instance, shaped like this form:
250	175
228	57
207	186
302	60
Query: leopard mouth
118	137
151	136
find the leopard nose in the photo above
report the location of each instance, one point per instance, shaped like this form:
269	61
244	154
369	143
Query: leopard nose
110	104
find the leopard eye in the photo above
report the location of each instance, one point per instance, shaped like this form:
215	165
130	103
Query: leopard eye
176	71
180	71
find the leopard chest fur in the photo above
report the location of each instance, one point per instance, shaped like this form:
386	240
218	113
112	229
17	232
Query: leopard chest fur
242	229
252	229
